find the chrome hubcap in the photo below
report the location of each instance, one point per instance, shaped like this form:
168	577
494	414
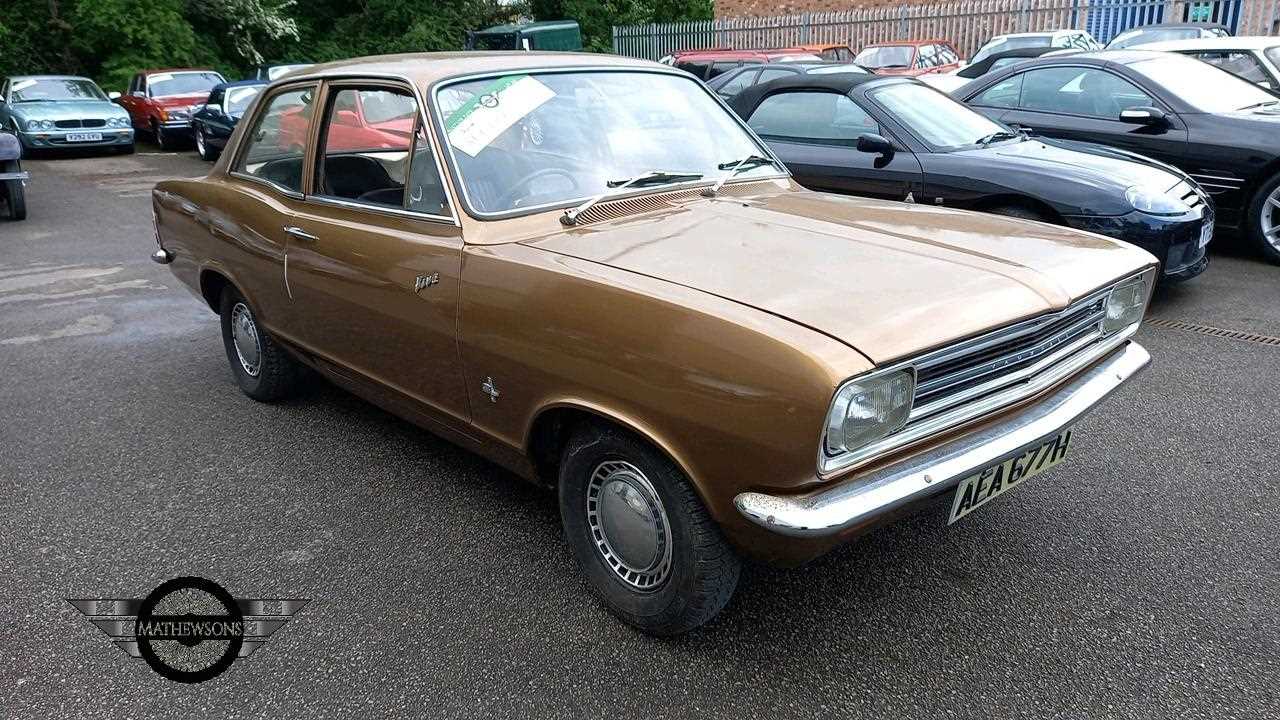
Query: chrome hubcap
629	525
1271	219
244	335
200	141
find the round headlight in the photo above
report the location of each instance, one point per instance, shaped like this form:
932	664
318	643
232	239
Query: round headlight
867	409
1155	202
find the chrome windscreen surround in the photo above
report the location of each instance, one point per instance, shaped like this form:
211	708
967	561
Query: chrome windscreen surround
981	375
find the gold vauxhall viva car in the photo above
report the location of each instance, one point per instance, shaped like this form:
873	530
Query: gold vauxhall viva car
587	269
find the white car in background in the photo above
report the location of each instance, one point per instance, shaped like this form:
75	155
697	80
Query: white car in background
1065	39
1256	59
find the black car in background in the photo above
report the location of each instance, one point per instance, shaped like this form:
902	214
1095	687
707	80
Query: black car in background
897	138
1221	130
735	81
951	82
213	123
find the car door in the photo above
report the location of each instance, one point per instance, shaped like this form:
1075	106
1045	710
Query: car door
1077	102
815	134
374	257
131	99
266	188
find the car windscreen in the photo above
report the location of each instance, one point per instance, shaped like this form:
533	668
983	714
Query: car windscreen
530	140
54	90
887	56
1273	54
1201	85
184	83
1152	35
238	98
941	122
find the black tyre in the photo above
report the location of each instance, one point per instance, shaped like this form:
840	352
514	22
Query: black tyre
1264	221
14	193
641	535
263	370
202	146
164	138
1021	211
125	149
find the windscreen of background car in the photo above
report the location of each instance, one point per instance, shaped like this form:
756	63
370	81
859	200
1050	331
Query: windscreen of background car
1203	86
238	99
1011	43
186	83
54	90
935	118
890	56
527	140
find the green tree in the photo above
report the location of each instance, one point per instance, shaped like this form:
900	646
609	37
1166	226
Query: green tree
124	36
244	31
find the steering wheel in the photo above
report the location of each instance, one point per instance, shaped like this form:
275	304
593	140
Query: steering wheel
509	198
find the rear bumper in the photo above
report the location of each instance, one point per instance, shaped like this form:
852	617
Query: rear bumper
917	480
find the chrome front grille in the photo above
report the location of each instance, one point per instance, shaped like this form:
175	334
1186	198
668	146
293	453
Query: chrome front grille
967	371
75	124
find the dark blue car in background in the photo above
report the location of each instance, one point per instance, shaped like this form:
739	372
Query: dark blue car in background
213	123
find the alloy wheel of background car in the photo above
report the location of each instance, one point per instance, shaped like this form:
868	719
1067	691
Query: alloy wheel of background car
1264	217
1270	218
200	146
629	524
244	334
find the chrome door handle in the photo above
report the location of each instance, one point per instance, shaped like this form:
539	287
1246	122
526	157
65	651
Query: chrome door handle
299	233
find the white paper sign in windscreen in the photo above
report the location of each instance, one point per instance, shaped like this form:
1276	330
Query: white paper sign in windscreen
482	119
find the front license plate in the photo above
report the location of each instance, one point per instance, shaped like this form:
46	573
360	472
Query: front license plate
976	491
84	137
1206	233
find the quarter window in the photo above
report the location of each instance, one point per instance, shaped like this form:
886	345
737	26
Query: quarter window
275	148
367	139
815	117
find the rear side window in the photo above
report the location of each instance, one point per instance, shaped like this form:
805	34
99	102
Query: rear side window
768	74
275	148
815	117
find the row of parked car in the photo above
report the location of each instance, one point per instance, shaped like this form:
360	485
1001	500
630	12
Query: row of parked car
1157	147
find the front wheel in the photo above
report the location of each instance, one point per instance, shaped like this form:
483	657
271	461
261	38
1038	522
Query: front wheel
164	138
14	192
1264	220
640	534
263	369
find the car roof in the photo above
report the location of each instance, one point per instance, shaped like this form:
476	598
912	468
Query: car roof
838	83
426	68
154	71
240	83
49	77
1247	42
917	43
1101	57
739	54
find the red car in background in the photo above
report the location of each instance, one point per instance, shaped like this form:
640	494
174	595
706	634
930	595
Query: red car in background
360	122
909	57
706	64
162	101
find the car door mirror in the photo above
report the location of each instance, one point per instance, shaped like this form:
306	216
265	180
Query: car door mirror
1147	116
113	95
214	108
138	93
872	143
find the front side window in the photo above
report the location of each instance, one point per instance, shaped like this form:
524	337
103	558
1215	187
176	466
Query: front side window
365	147
182	83
939	121
54	90
738	83
720	68
549	138
817	117
1080	91
887	56
274	149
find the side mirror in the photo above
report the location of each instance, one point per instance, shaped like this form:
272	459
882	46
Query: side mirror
878	144
1146	116
113	95
213	107
139	93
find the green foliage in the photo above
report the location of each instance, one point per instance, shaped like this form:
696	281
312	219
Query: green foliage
109	40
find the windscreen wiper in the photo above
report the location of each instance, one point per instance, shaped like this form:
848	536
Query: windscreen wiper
999	135
734	167
1255	106
653	177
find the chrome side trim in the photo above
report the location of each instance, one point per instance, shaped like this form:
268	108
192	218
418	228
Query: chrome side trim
865	498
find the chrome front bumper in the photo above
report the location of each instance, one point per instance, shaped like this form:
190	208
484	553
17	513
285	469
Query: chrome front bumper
863	498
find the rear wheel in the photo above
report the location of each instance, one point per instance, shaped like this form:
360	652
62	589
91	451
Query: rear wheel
1264	220
263	369
641	535
14	192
